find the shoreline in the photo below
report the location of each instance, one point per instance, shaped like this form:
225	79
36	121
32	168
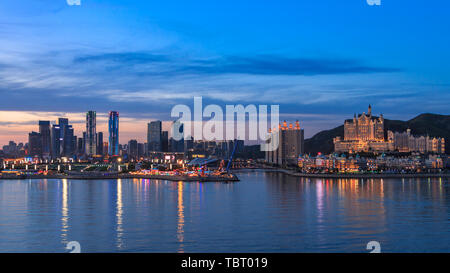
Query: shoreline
234	178
356	175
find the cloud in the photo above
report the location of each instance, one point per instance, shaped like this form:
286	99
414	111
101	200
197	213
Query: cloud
279	65
251	65
125	58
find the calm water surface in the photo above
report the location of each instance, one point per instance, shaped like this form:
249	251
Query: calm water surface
265	212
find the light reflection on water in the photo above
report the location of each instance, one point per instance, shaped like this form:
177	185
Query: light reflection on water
265	212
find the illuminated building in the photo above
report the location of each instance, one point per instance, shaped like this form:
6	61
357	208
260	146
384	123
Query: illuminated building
44	130
91	133
35	144
132	149
62	139
364	133
100	143
165	141
56	141
113	127
290	144
105	147
154	140
406	142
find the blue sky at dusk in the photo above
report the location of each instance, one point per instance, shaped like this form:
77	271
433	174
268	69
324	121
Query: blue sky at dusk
321	60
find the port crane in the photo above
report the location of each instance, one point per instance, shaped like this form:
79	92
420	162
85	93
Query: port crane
231	157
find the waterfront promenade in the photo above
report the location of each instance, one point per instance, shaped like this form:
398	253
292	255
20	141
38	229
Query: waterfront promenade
99	176
356	175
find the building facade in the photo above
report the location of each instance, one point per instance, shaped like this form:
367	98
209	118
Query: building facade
406	142
154	136
364	133
290	144
91	133
35	144
44	130
113	128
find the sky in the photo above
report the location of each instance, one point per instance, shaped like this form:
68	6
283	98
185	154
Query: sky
320	60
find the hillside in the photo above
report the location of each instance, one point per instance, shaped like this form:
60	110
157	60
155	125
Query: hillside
425	124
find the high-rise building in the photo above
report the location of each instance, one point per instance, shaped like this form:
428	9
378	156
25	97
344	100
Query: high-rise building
113	127
80	146
91	133
35	144
44	130
165	141
56	141
154	131
174	144
105	147
141	150
132	149
62	139
100	143
290	144
68	141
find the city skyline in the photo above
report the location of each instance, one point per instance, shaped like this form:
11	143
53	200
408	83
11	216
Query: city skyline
149	60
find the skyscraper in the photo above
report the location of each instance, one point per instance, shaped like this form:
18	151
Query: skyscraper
100	143
35	144
68	141
56	141
154	136
132	149
113	133
91	133
44	130
62	139
288	142
165	141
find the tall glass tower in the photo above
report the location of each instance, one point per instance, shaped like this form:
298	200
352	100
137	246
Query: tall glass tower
91	133
44	130
113	147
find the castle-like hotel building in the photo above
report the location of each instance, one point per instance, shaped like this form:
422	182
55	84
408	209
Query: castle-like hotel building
366	133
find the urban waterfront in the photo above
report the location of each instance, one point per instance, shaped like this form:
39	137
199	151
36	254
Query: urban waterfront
264	212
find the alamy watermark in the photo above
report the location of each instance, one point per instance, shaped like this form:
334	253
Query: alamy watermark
74	2
374	2
240	122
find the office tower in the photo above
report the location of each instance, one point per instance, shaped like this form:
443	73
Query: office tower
141	151
113	127
62	139
91	133
66	138
44	130
146	148
154	136
56	141
132	149
165	141
69	145
188	144
290	144
105	147
177	145
11	150
34	144
80	146
100	143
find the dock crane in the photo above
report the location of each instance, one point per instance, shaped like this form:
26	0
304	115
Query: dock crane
231	157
